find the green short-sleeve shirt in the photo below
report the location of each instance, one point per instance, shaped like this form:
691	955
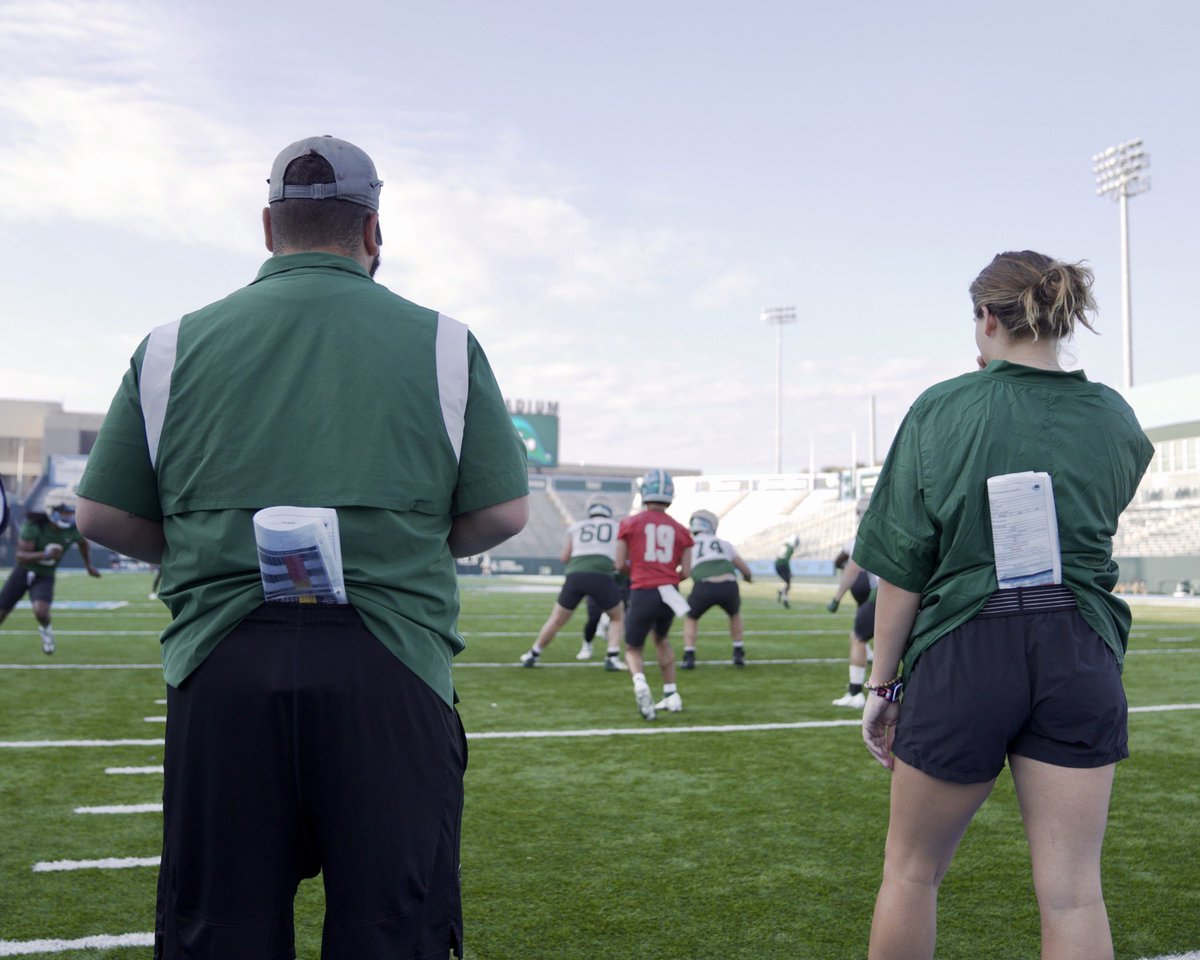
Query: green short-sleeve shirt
928	527
41	535
314	386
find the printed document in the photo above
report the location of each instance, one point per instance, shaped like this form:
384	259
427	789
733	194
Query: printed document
300	554
674	599
1024	530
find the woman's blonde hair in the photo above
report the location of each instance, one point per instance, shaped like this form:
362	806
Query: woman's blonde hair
1033	295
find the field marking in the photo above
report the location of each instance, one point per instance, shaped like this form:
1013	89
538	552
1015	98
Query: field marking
154	719
21	744
133	770
87	633
551	734
1146	653
86	606
122	808
80	666
108	863
643	731
597	663
103	941
833	631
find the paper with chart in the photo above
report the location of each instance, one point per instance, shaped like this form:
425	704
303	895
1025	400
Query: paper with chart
300	554
1024	530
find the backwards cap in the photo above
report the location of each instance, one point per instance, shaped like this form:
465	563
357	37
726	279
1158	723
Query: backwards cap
353	172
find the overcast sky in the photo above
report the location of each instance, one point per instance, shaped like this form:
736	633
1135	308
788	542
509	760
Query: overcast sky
609	193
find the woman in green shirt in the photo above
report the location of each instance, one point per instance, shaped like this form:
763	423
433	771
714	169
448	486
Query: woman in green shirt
975	658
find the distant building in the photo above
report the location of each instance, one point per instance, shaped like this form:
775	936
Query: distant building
33	431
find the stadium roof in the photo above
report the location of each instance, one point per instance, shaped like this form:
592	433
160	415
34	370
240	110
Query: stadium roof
1168	409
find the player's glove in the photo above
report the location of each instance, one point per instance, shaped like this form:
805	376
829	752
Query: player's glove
832	605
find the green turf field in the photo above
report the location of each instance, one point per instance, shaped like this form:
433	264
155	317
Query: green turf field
751	825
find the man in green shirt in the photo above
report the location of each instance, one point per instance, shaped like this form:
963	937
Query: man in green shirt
310	737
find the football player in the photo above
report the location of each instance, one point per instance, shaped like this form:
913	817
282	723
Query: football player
43	539
655	545
783	566
862	586
588	553
714	562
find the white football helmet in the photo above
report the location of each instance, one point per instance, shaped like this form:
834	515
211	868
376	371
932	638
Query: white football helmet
597	508
59	505
703	521
657	487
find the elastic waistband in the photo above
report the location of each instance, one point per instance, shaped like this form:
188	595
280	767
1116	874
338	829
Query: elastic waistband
1024	600
304	613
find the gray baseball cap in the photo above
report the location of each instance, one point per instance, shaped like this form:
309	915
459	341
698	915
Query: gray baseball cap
353	172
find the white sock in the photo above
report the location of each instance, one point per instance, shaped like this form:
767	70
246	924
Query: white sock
857	675
639	680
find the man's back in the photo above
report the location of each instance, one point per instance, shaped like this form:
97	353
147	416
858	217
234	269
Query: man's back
313	386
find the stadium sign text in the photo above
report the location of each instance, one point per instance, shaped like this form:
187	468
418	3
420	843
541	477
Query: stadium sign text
547	408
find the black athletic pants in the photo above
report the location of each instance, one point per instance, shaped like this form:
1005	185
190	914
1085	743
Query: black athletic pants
301	744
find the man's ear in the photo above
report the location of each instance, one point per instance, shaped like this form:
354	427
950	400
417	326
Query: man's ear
268	239
372	235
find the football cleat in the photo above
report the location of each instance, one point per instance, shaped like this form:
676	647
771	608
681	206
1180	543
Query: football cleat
689	660
739	656
585	651
672	703
645	700
529	659
614	664
855	700
47	636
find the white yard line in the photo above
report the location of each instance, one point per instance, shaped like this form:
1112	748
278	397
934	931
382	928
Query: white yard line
588	732
122	808
108	863
103	941
597	663
87	633
34	744
80	666
133	770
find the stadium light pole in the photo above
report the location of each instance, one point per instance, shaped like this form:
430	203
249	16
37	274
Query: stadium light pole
1119	173
778	317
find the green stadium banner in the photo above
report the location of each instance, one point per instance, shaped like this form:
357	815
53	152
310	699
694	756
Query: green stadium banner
539	433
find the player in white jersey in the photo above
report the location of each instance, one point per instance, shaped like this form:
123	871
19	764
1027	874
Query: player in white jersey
714	562
588	553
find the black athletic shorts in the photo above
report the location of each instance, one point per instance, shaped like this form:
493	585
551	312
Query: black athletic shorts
21	581
1038	684
860	589
647	611
723	594
864	621
601	586
784	569
302	744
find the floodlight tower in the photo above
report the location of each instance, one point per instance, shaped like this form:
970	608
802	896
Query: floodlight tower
778	317
1119	173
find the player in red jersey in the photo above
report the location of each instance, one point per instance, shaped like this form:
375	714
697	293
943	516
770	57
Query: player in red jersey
656	548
